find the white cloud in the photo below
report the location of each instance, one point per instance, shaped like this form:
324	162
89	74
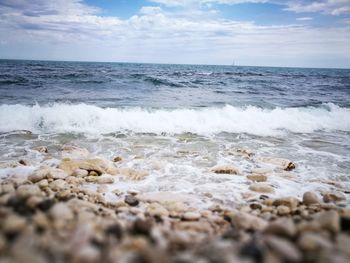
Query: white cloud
305	18
204	2
155	35
332	7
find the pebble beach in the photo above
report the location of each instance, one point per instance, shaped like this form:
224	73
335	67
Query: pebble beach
53	215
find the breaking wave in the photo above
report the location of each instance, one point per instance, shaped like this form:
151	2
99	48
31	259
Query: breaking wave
83	118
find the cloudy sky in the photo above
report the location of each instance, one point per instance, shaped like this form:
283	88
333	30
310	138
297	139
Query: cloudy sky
251	32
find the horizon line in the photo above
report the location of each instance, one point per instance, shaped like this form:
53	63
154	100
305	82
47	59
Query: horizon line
162	63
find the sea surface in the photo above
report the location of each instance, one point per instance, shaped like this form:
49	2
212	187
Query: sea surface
178	121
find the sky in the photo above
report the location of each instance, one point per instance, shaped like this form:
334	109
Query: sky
302	33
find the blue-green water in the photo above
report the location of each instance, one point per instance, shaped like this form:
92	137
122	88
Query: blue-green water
177	121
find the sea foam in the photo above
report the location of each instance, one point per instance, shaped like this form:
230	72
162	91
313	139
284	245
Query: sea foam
61	118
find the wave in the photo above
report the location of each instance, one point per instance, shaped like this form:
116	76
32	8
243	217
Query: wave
83	118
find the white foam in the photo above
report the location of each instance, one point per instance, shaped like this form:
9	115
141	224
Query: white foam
92	119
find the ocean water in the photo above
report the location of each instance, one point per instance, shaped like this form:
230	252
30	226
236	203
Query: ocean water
178	121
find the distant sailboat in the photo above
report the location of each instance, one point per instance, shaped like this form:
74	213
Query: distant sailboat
233	63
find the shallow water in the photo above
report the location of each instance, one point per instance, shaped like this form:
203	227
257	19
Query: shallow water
179	121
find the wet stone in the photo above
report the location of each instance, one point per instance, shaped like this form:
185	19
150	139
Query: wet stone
333	197
131	200
114	230
310	198
191	216
46	204
261	188
142	227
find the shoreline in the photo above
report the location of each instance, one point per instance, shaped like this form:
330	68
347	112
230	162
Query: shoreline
51	216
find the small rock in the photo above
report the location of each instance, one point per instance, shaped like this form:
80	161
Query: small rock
284	248
24	162
329	220
115	230
6	189
261	170
333	197
131	200
310	198
117	159
282	227
38	175
291	202
60	211
105	180
247	221
94	174
191	216
41	149
283	210
225	169
25	191
33	201
80	173
46	204
58	185
13	224
142	227
257	177
261	188
156	209
312	241
285	164
86	253
43	183
55	174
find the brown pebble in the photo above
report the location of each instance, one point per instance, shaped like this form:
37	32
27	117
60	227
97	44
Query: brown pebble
310	198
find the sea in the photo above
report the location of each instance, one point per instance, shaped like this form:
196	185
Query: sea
179	121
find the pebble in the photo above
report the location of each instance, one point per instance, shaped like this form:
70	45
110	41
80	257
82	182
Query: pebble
86	253
310	198
329	220
156	209
43	183
105	180
25	191
60	211
191	216
56	174
41	149
131	200
13	224
282	227
333	197
291	202
257	177
80	173
283	210
225	169
311	241
142	227
285	164
58	185
247	221
261	188
117	159
6	188
286	249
